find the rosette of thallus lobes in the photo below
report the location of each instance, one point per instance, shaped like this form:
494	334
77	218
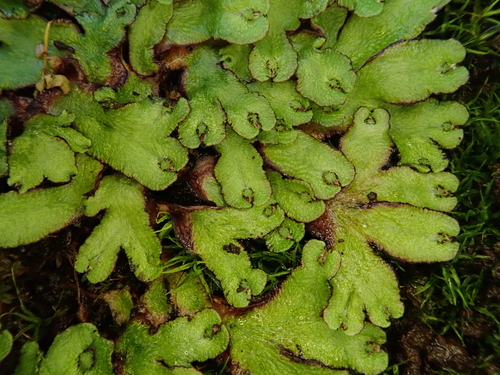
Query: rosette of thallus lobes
289	120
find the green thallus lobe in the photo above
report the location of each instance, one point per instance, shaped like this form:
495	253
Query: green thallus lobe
260	88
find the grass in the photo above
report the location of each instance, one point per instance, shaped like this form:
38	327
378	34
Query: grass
455	297
475	23
450	298
276	265
462	298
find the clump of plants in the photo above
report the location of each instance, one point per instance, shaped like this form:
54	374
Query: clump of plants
304	128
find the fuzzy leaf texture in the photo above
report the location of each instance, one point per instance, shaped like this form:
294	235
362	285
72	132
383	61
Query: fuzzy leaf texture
125	225
405	73
14	9
104	27
155	302
273	57
296	198
146	31
324	168
118	138
363	8
176	344
288	120
217	97
431	66
285	236
188	293
390	209
421	129
410	71
30	359
120	303
364	37
287	104
234	57
134	90
270	339
330	22
244	184
237	21
41	212
78	350
41	151
324	76
213	234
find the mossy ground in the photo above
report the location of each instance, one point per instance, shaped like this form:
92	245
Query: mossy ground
452	319
451	324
